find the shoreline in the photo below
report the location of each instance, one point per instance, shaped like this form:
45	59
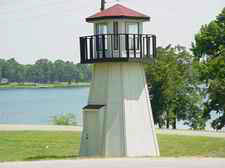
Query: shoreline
43	86
23	127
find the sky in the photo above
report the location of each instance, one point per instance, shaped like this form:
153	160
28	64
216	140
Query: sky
34	29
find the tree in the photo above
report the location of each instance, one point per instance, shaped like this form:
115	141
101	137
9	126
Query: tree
43	70
0	73
69	72
20	73
1	68
59	70
210	41
216	90
209	49
29	73
85	72
173	88
10	70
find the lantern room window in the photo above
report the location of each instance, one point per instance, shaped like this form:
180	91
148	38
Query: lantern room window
101	28
132	29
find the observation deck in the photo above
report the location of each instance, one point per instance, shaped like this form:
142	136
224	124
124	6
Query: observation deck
117	48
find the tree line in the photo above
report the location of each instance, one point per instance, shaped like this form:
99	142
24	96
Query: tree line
44	71
190	86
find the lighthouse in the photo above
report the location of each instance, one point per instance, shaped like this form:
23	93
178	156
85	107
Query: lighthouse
118	120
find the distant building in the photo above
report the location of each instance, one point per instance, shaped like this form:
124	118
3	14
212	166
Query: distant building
4	81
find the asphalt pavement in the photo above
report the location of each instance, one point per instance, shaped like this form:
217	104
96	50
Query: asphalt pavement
122	163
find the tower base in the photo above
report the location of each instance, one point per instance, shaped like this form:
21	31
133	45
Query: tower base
118	120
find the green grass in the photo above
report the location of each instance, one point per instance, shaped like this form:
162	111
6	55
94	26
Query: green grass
38	85
38	145
35	145
189	146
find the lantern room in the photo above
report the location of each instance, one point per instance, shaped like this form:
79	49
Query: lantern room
117	37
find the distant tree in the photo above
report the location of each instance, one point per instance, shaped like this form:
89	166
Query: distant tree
20	73
76	74
69	72
1	68
29	73
85	72
10	70
44	71
0	73
59	70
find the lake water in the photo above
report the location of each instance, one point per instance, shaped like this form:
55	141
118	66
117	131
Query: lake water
37	106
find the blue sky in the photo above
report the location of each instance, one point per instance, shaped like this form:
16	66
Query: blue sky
34	29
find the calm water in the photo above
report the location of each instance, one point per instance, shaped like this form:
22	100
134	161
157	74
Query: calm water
37	106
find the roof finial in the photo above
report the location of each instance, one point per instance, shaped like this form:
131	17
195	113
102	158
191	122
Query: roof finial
102	5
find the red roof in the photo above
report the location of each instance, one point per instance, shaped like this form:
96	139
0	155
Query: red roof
117	12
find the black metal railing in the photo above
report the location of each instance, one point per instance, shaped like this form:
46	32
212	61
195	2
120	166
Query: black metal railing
117	47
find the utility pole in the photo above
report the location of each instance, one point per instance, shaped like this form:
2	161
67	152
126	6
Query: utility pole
102	5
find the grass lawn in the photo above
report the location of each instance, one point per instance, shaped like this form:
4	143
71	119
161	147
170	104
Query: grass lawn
35	145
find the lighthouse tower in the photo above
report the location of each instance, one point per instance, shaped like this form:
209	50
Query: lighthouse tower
118	121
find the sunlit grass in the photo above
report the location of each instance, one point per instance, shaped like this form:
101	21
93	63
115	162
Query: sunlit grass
37	145
200	146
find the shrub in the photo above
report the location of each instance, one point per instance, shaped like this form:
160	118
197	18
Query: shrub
64	119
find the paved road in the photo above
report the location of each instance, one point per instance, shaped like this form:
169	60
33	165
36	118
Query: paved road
121	163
